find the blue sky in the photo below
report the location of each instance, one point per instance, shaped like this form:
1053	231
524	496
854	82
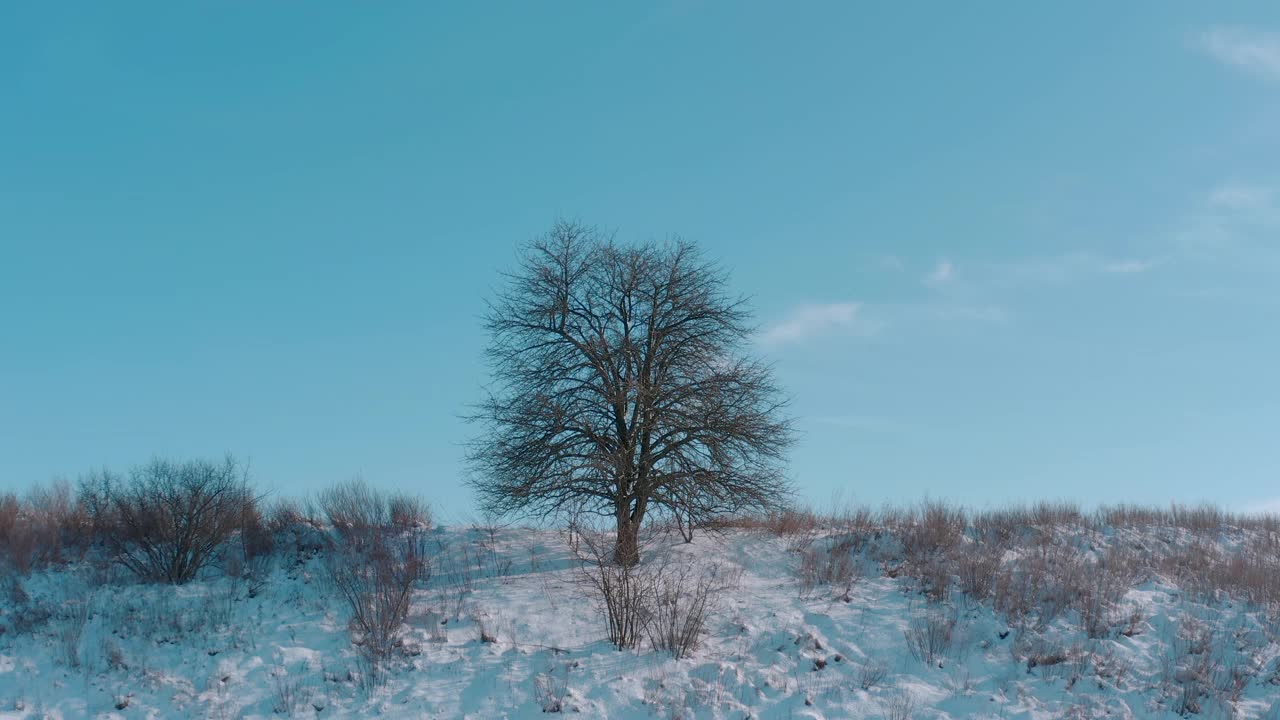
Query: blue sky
998	252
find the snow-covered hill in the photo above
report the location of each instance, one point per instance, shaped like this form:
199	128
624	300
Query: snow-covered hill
852	620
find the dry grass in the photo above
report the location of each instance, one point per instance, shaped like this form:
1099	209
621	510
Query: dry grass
1041	562
359	512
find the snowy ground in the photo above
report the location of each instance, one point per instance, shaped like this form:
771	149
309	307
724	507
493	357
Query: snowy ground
221	648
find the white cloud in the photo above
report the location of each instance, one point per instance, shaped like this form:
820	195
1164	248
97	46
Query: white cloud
1255	51
1059	269
1237	223
1241	196
808	321
942	273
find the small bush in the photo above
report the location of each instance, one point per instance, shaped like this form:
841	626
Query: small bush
359	512
288	692
550	690
375	576
619	589
899	705
930	637
382	556
44	528
167	521
872	673
936	528
977	567
680	598
829	563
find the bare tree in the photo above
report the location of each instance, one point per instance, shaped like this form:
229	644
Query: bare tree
622	388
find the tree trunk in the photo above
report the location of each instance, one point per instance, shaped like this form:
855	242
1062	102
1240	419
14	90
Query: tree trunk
686	528
627	550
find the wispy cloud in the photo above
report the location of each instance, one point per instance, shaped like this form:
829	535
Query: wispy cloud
864	320
1059	269
1252	50
942	273
810	321
1237	195
1236	223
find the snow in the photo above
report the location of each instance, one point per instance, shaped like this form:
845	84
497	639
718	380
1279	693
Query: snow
210	650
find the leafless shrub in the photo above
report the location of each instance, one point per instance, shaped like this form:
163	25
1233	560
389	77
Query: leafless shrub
483	633
1050	515
113	656
376	579
43	528
1110	666
75	616
1133	621
798	526
858	522
1189	665
550	690
286	514
934	576
976	568
680	597
288	692
791	521
1200	519
168	519
1232	682
17	543
1043	582
297	526
618	588
1250	571
930	637
999	526
871	673
899	705
1129	516
934	528
359	513
256	538
1094	614
1042	654
829	563
499	565
24	616
408	512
